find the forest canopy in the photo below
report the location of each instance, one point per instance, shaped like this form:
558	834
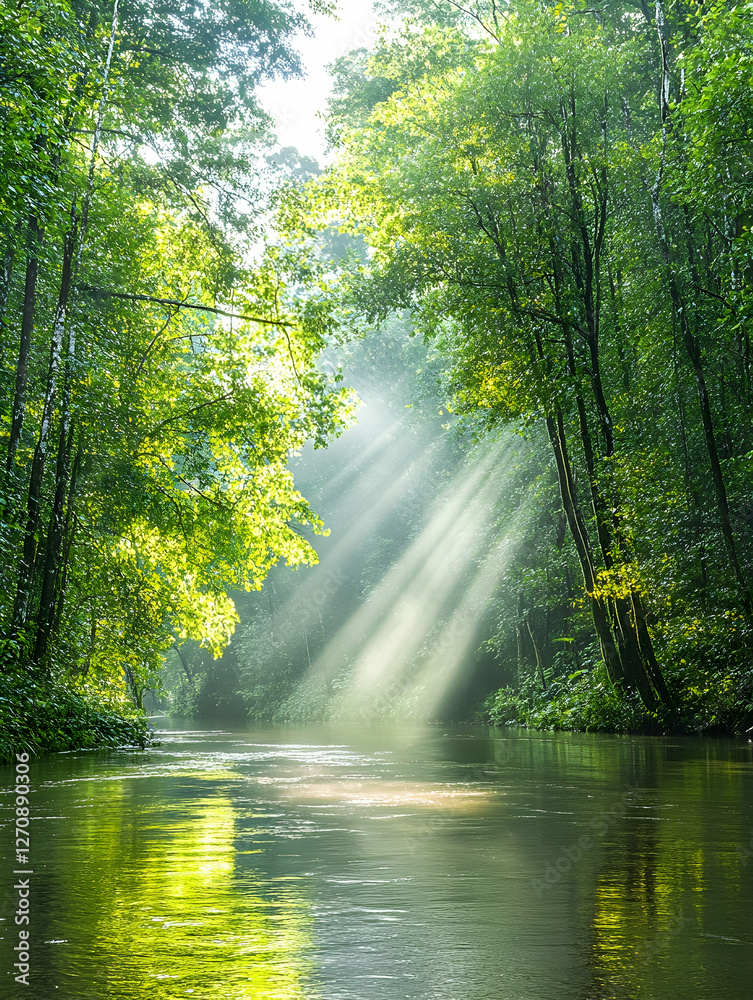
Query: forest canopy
556	197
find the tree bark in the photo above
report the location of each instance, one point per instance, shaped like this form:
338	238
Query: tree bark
609	651
35	237
54	547
6	274
21	611
68	535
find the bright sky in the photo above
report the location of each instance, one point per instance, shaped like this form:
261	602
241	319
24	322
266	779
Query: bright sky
294	104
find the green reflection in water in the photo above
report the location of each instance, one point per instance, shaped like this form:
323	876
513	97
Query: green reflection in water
157	903
427	853
660	927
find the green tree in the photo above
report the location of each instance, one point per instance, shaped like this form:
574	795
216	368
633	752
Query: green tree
158	381
485	189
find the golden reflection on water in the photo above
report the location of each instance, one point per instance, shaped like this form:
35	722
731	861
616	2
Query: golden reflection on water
375	792
656	891
179	919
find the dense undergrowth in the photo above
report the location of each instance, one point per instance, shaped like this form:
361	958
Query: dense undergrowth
586	701
41	719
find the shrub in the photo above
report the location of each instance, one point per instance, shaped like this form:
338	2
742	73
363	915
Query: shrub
39	719
584	700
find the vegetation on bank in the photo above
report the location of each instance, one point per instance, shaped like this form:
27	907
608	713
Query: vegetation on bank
586	701
41	718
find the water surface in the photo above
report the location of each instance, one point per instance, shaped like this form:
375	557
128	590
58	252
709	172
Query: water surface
386	863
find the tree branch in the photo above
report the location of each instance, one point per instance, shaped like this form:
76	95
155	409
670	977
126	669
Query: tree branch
133	297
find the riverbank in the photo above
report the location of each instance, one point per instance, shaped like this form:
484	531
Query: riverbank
41	719
586	701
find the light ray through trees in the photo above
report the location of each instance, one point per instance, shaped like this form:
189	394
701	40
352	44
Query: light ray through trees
407	646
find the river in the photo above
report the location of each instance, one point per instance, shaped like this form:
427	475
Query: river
386	863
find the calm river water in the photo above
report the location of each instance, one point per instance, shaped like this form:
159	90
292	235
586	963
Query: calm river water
325	863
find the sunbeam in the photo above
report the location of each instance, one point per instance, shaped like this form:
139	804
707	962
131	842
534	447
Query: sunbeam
367	502
406	647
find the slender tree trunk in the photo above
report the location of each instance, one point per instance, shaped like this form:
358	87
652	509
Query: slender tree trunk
21	611
35	237
626	645
68	534
539	663
186	671
692	348
720	489
556	430
137	692
54	547
641	669
6	274
56	529
615	296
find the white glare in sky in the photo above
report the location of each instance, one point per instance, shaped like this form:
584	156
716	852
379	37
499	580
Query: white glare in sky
295	104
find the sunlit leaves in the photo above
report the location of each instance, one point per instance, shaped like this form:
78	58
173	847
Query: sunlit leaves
188	377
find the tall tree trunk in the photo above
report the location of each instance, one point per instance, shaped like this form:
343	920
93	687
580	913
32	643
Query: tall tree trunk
6	274
720	490
692	346
640	667
34	242
54	546
576	523
21	611
68	534
35	237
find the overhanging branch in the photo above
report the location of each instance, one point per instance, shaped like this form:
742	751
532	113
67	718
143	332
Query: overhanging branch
133	297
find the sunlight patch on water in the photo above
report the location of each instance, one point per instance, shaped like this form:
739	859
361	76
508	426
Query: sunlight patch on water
387	793
200	922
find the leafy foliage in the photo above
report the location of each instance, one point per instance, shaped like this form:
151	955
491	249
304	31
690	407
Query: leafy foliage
36	719
560	197
584	701
154	381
